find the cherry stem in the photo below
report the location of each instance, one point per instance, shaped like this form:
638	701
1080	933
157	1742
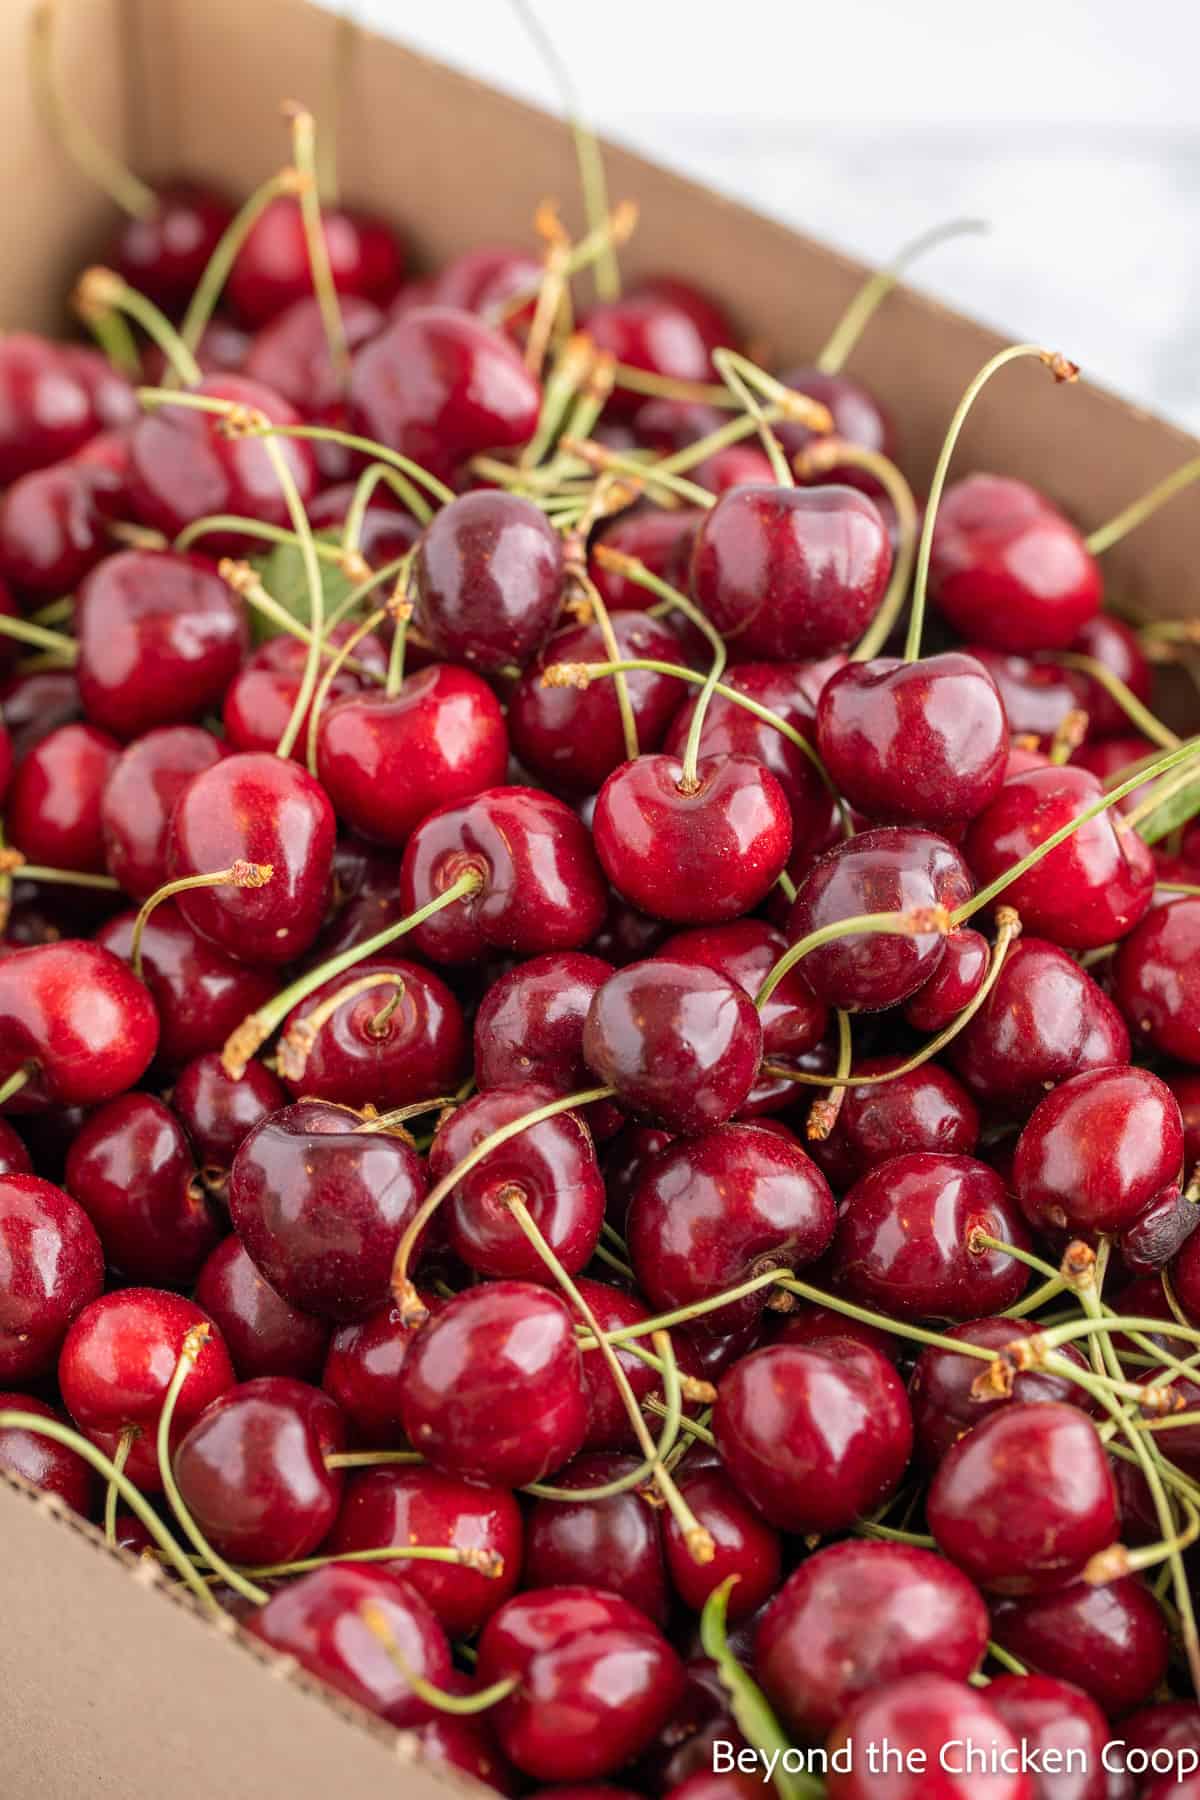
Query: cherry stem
27	633
916	922
570	371
100	291
112	332
304	135
333	668
826	453
316	596
786	886
488	1563
735	431
270	534
257	1027
244	580
1105	536
16	1081
1130	705
373	476
733	370
823	1113
553	299
661	1453
72	131
239	874
125	1444
388	1120
751	1712
13	863
649	474
371	1459
1118	1560
462	1706
1143	812
401	612
692	1387
211	284
295	1046
1062	370
683	1315
916	1334
877	287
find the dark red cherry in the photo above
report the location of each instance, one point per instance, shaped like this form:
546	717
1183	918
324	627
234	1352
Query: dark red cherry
388	530
1111	1641
46	1465
811	1324
164	253
49	403
485	279
467	1742
272	269
626	935
439	386
1109	641
6	760
362	1371
1092	888
1008	570
893	869
420	1506
252	1470
51	1266
904	1239
858	418
930	1724
953	984
551	1168
14	1157
745	1546
597	1681
290	354
160	638
319	1621
1097	1150
117	1362
261	698
1059	1725
217	1112
1157	980
53	528
1025	1498
717	1210
572	737
814	1436
660	539
529	1028
681	1044
80	1020
1170	1725
927	1109
943	1404
542	886
858	1616
37	704
321	1206
487	580
1185	1278
53	810
200	992
697	853
791	572
1112	757
914	742
609	1426
138	797
1037	695
492	1387
614	1544
263	1334
665	329
131	1170
259	809
664	424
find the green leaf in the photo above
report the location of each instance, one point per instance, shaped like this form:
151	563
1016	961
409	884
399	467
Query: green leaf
1176	809
757	1723
281	571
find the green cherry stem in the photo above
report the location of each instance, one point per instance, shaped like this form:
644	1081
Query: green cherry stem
239	874
877	287
329	676
211	284
26	632
748	1704
730	367
112	1492
101	290
295	1046
1130	705
1105	536
914	923
304	156
462	1706
71	130
373	476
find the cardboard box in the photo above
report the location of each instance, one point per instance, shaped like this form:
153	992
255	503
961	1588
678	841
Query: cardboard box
110	1683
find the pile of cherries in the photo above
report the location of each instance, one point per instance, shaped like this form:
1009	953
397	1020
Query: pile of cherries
571	1151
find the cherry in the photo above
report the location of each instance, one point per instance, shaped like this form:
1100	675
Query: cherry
1037	695
1097	1150
439	386
891	869
696	849
931	1725
811	1324
131	1170
136	801
160	638
1113	756
53	812
1159	1230
53	527
857	1617
683	1751
717	1210
572	737
483	280
200	992
858	418
318	1621
217	1112
791	572
45	1464
1054	1719
1170	1725
6	760
681	1044
163	253
597	1682
1109	641
262	697
116	1364
914	742
51	403
37	703
1156	980
78	1019
14	1157
362	1371
263	1334
388	530
467	1743
321	1205
272	269
609	1426
529	1028
253	1474
492	1387
1185	1278
1044	1020
953	984
487	580
926	1109
291	355
542	888
1111	1641
258	809
904	1239
626	935
745	1547
662	327
661	540
944	1405
1086	892
51	1266
1008	570
664	424
813	1436
613	1543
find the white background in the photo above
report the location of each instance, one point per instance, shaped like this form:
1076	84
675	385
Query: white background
1073	126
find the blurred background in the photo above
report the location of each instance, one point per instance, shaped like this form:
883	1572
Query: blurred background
1071	126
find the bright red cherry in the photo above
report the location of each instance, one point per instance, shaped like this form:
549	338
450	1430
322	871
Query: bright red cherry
858	1616
362	1371
165	252
928	1722
263	1334
487	580
614	1543
661	539
53	527
944	1404
76	1018
261	698
1008	570
49	403
1111	1641
953	984
1157	980
745	1546
926	1109
217	1112
791	572
663	327
1097	1150
51	1266
1061	1726
46	1465
492	1387
272	269
137	799
53	811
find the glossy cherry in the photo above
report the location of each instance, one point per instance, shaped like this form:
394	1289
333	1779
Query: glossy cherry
663	328
661	539
261	698
53	809
615	1543
51	404
1097	1150
37	703
1157	980
1114	644
163	253
858	418
1111	1641
77	1018
953	984
926	1109
609	1426
487	580
137	799
53	527
131	1170
944	1406
263	1334
290	354
485	279
529	1028
1060	1723
51	1266
745	1546
272	269
928	1721
362	1371
454	1741
217	1112
48	1466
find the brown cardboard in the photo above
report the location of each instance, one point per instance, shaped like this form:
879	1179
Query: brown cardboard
111	1684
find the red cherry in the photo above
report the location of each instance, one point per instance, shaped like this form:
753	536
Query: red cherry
217	1112
1061	1726
487	580
291	356
272	269
813	1436
1111	1641
388	530
1170	1725
944	1405
137	799
857	1617
663	327
46	1465
614	1543
492	1388
662	540
53	812
362	1371
53	527
1113	756
83	1021
529	1028
1157	980
1037	694
117	1362
1097	1150
165	252
904	1239
37	704
927	1109
858	418
50	403
745	1547
131	1170
953	984
262	696
609	1426
928	1722
263	1334
484	279
791	572
51	1266
1114	644
14	1157
1008	570
468	1743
